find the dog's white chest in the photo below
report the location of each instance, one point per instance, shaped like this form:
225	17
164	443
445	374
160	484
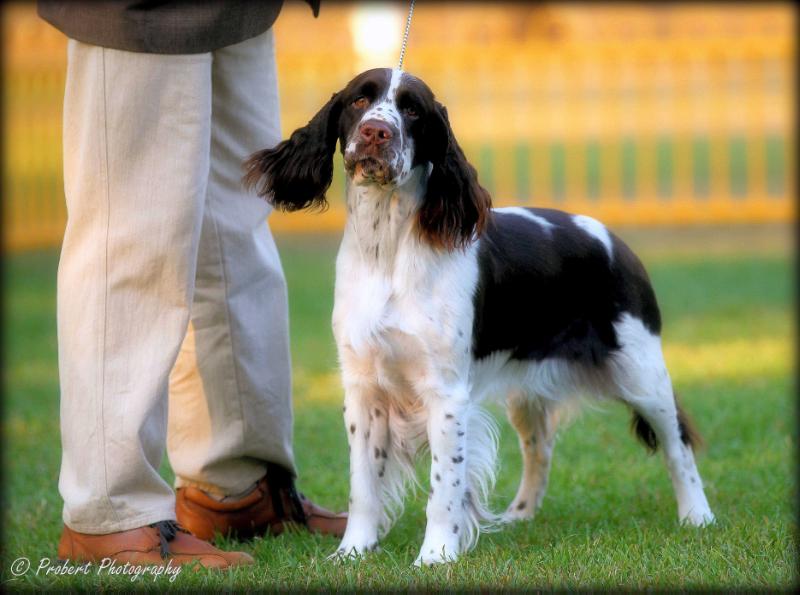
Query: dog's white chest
408	326
374	320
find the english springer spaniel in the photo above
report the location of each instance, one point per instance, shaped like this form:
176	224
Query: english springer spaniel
442	301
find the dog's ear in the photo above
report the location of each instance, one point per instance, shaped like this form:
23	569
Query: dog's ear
295	173
455	208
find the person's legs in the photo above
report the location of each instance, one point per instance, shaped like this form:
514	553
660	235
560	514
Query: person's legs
230	391
230	415
136	163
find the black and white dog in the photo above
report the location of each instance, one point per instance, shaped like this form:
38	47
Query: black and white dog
442	301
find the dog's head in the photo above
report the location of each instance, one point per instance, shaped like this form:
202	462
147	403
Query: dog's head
387	123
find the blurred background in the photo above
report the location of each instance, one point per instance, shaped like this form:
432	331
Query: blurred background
639	114
673	123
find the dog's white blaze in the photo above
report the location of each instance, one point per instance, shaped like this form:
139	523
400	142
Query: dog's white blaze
397	75
524	213
596	229
386	108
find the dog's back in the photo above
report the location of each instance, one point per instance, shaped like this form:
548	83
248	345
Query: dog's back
552	284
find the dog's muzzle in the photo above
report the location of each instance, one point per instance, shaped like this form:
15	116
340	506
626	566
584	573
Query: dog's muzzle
373	158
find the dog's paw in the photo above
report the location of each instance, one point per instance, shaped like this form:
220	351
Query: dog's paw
701	517
437	551
348	551
429	556
518	511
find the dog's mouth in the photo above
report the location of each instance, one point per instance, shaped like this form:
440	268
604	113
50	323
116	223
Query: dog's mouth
369	169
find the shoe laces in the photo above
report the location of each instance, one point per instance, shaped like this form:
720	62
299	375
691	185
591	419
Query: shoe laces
167	530
279	479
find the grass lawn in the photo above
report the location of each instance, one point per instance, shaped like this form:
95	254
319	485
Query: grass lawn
609	518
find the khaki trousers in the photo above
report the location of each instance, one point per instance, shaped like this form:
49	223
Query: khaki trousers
170	288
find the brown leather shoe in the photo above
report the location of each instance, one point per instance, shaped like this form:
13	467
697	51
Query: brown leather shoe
154	544
268	509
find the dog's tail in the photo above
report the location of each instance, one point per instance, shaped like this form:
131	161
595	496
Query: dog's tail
645	433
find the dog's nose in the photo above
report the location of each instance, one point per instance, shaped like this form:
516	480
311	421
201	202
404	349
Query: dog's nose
375	132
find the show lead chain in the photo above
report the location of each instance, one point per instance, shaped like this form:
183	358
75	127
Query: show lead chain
405	36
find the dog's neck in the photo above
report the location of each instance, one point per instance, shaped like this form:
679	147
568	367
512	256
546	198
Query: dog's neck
380	218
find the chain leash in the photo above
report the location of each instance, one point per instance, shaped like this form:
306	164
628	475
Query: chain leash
405	35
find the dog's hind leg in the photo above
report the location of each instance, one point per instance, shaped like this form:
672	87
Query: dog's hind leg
535	421
642	381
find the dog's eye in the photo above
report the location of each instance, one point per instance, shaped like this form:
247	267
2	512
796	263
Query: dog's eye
410	112
360	102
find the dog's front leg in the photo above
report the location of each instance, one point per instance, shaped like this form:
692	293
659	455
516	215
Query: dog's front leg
449	497
367	435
